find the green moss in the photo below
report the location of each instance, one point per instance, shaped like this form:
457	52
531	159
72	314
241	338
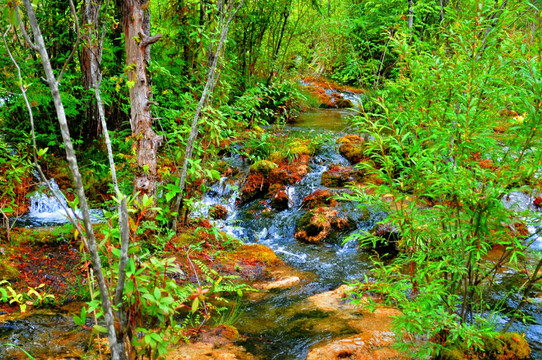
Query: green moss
263	166
186	238
352	148
254	253
8	272
300	147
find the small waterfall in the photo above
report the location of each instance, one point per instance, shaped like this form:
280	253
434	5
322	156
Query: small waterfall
47	209
41	203
355	98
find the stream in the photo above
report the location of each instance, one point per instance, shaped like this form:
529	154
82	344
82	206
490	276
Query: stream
284	325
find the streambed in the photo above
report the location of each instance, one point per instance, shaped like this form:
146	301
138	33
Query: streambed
285	324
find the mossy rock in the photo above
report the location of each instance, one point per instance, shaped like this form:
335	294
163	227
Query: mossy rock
388	238
300	147
186	238
343	103
503	346
322	225
263	166
280	177
255	185
218	212
352	147
280	200
8	272
255	253
339	176
319	198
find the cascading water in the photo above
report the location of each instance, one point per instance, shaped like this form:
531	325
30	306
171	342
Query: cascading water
282	326
47	209
329	264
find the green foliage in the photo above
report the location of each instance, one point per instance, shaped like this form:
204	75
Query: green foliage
32	297
265	104
15	177
447	164
157	291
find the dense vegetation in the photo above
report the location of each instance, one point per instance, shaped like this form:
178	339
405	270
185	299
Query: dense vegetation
144	98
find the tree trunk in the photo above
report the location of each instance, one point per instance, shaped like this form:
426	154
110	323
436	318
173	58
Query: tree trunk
136	24
39	46
91	56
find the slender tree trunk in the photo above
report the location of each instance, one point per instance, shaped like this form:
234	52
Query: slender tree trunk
136	24
39	46
226	19
285	16
95	78
91	56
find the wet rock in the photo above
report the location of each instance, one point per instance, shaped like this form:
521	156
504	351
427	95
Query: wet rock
207	351
282	283
374	339
372	345
339	176
321	224
218	212
280	200
334	300
352	147
266	176
342	103
319	198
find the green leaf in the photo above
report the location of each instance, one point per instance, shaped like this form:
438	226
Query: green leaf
99	329
195	305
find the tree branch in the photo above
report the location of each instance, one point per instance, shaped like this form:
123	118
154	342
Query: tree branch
148	40
78	33
23	31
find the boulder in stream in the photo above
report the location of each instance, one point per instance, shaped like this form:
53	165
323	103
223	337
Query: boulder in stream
322	224
319	198
218	212
352	147
339	176
388	237
280	200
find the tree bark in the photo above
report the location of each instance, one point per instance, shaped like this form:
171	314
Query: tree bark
136	25
91	56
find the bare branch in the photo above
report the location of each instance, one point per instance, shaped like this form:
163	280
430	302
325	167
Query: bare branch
23	31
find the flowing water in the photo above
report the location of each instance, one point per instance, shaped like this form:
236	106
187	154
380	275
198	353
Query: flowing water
284	325
48	209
